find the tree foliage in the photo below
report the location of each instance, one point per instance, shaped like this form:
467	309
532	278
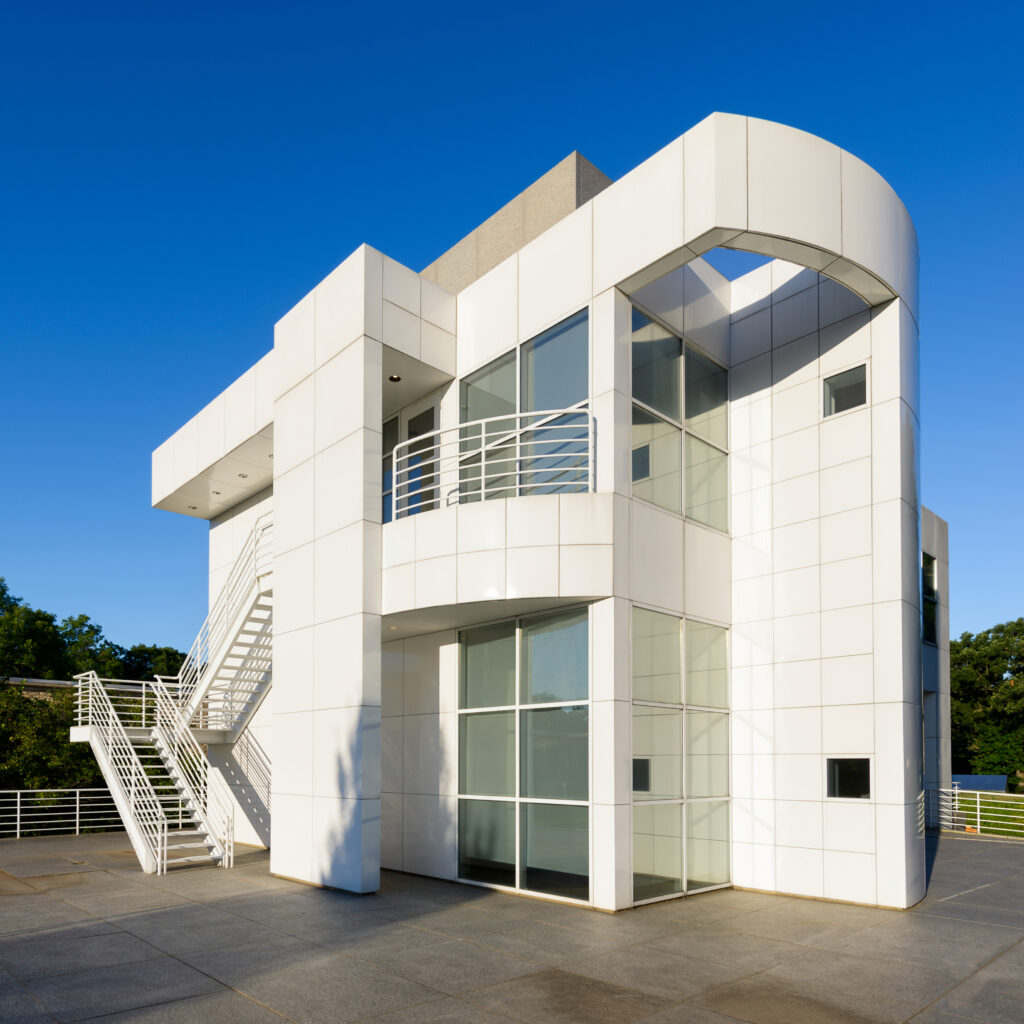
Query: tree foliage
35	752
987	702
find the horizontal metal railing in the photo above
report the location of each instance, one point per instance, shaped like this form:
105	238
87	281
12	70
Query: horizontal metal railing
545	452
973	812
36	812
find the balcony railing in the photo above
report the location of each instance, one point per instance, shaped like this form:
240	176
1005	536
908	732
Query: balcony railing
976	813
549	452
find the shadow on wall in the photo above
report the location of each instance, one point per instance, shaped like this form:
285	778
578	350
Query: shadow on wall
245	767
410	740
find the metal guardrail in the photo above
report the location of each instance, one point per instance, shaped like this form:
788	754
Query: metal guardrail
36	812
254	562
119	760
189	767
546	452
974	812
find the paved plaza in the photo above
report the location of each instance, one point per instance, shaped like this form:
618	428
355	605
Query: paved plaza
85	935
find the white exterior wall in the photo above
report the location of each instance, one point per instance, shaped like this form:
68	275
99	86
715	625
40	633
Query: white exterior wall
819	579
420	740
825	599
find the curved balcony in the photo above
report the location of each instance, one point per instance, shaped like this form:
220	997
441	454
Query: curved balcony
528	453
493	517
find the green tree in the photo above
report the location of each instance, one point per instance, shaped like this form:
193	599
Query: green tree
987	702
35	749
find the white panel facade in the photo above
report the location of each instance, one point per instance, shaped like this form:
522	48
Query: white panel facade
710	581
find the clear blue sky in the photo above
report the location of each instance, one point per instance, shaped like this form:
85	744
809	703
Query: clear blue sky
173	178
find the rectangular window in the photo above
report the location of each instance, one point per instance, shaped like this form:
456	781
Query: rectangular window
707	484
524	743
656	357
929	599
680	755
555	367
487	842
657	458
846	390
521	453
389	440
680	396
849	777
707	398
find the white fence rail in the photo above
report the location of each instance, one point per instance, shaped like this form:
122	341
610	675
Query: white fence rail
548	452
974	812
36	812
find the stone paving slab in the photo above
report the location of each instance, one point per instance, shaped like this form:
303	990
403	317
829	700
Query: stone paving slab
84	934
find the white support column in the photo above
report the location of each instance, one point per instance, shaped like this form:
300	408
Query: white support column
327	702
611	820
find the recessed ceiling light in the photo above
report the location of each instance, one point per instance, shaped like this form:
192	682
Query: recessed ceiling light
243	476
392	627
192	508
394	378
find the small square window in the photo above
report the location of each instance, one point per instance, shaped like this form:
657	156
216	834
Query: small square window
849	778
642	462
846	390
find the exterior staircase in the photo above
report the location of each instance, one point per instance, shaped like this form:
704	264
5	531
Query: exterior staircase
148	736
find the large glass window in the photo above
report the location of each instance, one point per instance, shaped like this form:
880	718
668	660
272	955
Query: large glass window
524	754
522	453
678	392
680	755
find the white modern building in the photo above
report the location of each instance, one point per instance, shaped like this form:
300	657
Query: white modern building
570	565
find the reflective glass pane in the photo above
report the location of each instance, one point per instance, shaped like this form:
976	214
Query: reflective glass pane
707	397
488	666
487	841
490	391
556	366
556	850
554	753
656	657
555	662
418	477
707	753
707	844
487	765
657	753
554	456
707	666
390	438
707	484
656	359
657	460
657	850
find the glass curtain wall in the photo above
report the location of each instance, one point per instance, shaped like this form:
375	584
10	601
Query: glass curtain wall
524	754
524	454
680	400
680	756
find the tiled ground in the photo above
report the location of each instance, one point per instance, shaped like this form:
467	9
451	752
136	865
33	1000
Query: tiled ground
85	935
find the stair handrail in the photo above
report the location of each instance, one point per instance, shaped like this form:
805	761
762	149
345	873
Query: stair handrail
184	757
95	709
254	562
